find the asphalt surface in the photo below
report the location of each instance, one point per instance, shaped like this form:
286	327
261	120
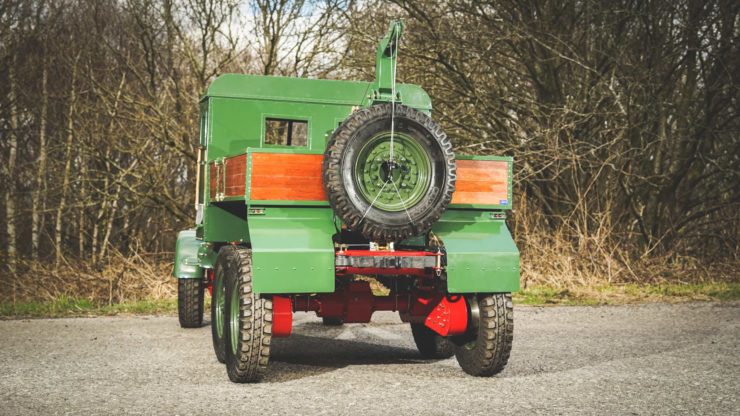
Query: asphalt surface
651	359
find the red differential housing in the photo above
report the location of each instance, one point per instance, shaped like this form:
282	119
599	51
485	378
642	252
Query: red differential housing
353	301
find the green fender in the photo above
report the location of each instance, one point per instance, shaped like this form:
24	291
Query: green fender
292	249
481	255
187	264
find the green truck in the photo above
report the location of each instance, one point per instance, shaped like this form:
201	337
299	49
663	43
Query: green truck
344	198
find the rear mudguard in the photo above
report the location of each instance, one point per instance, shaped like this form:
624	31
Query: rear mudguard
187	264
292	251
481	255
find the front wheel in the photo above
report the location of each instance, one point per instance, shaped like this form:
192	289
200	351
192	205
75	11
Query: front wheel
248	320
190	302
484	350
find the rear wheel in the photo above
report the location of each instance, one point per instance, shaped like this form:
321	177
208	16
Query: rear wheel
484	350
217	305
190	302
430	343
248	320
333	321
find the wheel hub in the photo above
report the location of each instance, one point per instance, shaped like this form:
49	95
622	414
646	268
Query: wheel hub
397	184
234	319
219	298
474	312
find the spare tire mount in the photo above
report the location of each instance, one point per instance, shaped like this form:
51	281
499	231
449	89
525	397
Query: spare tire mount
389	199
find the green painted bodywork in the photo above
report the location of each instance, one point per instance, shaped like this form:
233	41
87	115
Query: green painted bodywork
292	250
481	255
226	221
291	241
187	263
238	106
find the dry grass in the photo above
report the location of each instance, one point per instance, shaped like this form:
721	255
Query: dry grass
563	267
579	256
620	294
120	280
551	260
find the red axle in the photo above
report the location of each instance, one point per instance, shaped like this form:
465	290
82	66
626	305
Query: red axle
209	281
282	316
354	302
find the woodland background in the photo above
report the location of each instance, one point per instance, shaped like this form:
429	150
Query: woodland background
622	117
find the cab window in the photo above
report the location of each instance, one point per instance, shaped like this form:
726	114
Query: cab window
283	132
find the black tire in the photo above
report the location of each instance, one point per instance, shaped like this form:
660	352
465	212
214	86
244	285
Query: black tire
431	344
248	336
218	296
190	302
485	350
333	321
358	212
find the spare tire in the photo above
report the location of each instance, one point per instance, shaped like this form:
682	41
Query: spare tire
389	200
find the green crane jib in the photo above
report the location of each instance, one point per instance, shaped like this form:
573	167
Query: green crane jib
386	58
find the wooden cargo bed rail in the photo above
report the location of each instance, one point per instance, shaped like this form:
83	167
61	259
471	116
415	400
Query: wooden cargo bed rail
284	176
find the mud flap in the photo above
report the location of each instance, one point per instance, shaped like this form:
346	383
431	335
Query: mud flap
292	249
481	255
187	265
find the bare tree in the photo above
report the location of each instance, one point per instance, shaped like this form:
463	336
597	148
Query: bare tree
10	173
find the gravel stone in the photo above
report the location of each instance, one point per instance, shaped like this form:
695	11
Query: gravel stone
646	359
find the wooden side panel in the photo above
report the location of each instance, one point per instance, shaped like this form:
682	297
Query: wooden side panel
286	177
484	182
235	169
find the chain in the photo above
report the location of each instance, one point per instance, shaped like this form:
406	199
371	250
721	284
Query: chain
394	63
402	202
393	128
373	203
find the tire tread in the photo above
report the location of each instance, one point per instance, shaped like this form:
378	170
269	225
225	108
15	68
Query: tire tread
494	338
431	344
190	303
249	363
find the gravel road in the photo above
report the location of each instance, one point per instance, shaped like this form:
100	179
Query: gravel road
651	359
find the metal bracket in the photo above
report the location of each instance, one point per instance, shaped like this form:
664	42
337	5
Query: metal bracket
220	179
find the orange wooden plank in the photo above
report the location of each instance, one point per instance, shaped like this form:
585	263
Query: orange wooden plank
297	177
484	182
286	177
236	175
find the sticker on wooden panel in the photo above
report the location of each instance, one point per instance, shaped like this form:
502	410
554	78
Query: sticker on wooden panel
482	182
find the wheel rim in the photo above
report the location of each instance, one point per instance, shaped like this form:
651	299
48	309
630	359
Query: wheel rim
395	186
219	300
474	322
474	312
234	319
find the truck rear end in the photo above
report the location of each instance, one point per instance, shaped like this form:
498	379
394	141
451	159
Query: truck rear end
344	198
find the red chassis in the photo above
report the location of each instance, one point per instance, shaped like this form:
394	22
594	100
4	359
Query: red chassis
354	302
